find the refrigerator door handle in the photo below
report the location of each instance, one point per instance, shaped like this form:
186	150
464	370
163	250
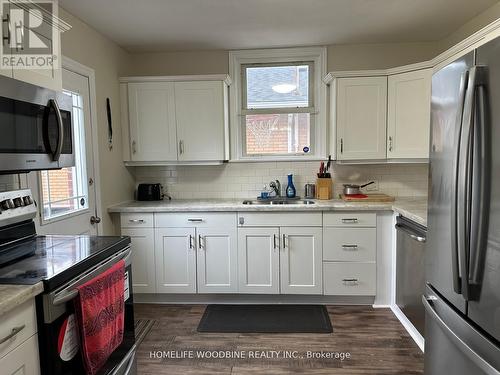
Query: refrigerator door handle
481	172
455	256
456	340
464	182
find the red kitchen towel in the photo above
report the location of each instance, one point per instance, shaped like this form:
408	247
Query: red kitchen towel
100	311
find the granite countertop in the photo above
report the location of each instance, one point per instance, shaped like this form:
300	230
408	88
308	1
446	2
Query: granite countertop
413	208
14	295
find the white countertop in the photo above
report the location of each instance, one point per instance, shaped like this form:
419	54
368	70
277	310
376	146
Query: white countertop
412	208
14	295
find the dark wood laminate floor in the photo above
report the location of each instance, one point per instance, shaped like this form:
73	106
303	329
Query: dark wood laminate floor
375	339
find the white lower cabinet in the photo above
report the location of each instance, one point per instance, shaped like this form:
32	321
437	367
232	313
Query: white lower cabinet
349	279
143	259
258	260
217	260
301	260
175	256
23	360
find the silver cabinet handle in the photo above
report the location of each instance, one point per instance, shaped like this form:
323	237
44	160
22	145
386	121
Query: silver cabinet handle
134	148
190	241
139	221
350	220
195	220
181	147
13	333
284	241
19	26
275	238
341	145
350	281
199	242
350	247
390	143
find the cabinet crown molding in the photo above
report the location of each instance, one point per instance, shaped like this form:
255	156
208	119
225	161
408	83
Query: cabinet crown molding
197	77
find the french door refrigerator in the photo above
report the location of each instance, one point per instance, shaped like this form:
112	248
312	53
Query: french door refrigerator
462	299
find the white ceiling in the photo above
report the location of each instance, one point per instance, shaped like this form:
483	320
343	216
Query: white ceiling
161	25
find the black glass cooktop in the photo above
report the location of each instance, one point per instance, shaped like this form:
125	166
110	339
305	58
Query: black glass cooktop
57	259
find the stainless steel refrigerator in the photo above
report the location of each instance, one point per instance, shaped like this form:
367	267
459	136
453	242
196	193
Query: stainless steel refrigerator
462	299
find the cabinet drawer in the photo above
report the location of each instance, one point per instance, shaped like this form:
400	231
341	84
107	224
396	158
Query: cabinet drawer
23	319
24	360
280	219
349	279
194	219
350	219
137	220
349	244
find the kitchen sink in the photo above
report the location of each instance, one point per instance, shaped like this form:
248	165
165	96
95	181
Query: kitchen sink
280	201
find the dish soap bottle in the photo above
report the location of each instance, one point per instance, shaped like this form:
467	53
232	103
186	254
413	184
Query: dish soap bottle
290	189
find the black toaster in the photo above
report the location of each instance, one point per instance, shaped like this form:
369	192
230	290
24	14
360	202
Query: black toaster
149	192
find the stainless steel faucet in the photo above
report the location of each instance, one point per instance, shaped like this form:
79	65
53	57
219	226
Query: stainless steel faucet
276	186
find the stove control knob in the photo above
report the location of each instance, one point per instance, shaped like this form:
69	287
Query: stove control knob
27	200
4	205
18	202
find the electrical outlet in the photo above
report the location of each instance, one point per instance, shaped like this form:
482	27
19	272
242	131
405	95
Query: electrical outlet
372	187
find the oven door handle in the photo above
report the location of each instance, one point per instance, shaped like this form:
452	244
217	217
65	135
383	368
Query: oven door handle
129	359
69	292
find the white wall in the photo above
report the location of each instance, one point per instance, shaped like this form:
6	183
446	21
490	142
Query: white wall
245	180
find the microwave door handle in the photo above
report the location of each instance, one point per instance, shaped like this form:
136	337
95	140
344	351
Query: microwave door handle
455	257
60	130
481	183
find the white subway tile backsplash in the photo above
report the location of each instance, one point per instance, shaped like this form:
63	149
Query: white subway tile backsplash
246	180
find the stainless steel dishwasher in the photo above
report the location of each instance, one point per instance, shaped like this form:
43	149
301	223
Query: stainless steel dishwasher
410	270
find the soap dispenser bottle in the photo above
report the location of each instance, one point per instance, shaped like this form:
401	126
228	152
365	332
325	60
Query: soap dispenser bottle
290	189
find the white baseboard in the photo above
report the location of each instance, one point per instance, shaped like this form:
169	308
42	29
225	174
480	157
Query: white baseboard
410	328
376	306
252	298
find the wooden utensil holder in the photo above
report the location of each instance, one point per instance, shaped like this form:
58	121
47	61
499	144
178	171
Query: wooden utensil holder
324	188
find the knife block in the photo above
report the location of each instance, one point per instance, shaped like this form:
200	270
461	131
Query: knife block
324	188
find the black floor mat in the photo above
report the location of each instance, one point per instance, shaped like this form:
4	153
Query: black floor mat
266	319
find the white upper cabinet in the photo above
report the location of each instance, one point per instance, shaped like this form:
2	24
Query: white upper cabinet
361	118
152	121
408	116
46	33
199	109
175	120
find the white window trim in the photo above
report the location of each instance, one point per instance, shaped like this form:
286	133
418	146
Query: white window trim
280	55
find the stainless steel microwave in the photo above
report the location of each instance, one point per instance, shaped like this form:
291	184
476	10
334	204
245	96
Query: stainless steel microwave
36	130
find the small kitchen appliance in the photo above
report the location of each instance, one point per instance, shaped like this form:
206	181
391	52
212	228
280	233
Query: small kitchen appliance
149	192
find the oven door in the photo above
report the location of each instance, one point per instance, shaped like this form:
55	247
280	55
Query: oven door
35	127
58	335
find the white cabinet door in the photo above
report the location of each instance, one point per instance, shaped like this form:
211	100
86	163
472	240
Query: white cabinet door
408	116
199	108
152	121
175	257
23	360
361	118
217	260
258	260
143	259
301	260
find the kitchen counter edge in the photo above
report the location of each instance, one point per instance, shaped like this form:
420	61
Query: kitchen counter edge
12	296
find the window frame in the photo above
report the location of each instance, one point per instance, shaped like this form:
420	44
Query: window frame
315	57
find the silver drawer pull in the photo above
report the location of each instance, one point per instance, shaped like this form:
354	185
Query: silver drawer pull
13	333
139	221
350	247
350	220
350	282
195	220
